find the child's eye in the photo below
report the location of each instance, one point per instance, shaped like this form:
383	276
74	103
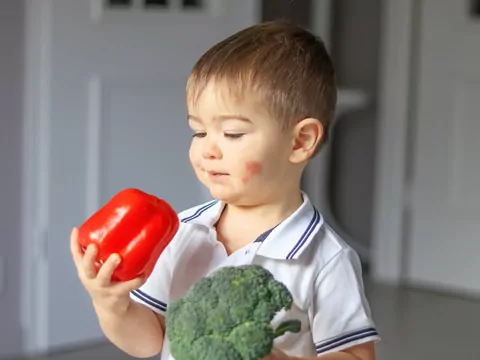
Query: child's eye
200	135
234	136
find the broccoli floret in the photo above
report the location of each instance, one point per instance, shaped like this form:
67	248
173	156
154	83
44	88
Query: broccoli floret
227	316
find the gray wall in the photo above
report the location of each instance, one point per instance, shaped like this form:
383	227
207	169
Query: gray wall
11	72
355	44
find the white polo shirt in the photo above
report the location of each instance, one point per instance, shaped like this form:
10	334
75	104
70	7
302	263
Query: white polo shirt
321	271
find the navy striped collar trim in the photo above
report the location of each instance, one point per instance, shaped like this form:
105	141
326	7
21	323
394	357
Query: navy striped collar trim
285	241
307	234
289	239
203	214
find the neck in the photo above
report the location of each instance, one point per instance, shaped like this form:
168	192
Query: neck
260	217
271	207
269	212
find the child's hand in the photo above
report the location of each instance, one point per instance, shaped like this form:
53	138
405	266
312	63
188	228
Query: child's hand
106	295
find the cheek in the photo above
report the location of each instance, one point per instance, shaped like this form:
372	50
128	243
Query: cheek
193	155
252	170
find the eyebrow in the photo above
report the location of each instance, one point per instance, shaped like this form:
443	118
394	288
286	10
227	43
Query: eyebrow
222	118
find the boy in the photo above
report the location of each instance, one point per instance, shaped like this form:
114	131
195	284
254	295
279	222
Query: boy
259	104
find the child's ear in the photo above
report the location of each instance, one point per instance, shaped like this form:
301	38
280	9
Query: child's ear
307	136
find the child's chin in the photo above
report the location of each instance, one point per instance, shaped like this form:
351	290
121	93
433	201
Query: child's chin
234	199
220	195
223	195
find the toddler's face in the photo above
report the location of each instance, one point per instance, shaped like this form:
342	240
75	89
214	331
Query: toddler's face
237	151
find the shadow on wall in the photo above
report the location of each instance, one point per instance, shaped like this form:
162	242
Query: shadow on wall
295	11
355	51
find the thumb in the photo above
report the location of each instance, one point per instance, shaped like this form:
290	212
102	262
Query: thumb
128	286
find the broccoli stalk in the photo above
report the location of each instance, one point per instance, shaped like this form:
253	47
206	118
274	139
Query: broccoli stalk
289	325
227	316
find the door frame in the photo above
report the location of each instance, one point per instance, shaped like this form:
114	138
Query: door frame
34	281
396	99
388	248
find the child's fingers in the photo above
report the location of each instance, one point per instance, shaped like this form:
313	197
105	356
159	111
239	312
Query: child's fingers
75	248
89	259
104	275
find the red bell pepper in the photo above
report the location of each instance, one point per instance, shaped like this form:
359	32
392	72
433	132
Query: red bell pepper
135	225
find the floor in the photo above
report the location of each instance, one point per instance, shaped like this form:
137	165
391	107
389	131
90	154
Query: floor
414	325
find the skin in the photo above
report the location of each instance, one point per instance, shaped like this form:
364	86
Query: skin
132	327
244	158
252	169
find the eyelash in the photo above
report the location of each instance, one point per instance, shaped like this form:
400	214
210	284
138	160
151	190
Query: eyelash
199	135
234	136
230	136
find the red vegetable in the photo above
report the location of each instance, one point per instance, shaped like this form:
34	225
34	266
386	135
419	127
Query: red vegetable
135	225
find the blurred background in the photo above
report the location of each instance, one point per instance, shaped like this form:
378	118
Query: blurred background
92	101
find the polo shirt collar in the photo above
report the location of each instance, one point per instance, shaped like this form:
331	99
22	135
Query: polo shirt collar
287	240
206	214
290	238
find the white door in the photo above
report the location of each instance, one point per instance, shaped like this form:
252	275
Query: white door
444	245
111	115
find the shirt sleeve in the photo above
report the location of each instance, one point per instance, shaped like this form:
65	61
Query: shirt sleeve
154	293
340	313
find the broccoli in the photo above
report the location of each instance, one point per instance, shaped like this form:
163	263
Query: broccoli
227	316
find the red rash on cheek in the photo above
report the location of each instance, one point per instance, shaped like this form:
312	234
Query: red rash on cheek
252	169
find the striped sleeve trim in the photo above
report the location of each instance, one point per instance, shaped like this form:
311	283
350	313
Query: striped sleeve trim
149	300
351	338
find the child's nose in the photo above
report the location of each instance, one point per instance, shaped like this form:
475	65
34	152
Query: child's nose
211	150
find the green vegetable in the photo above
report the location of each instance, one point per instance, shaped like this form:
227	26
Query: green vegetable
227	316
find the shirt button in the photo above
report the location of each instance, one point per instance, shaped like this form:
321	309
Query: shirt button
247	252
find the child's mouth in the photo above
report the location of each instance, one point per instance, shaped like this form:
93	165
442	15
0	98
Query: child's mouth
216	174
